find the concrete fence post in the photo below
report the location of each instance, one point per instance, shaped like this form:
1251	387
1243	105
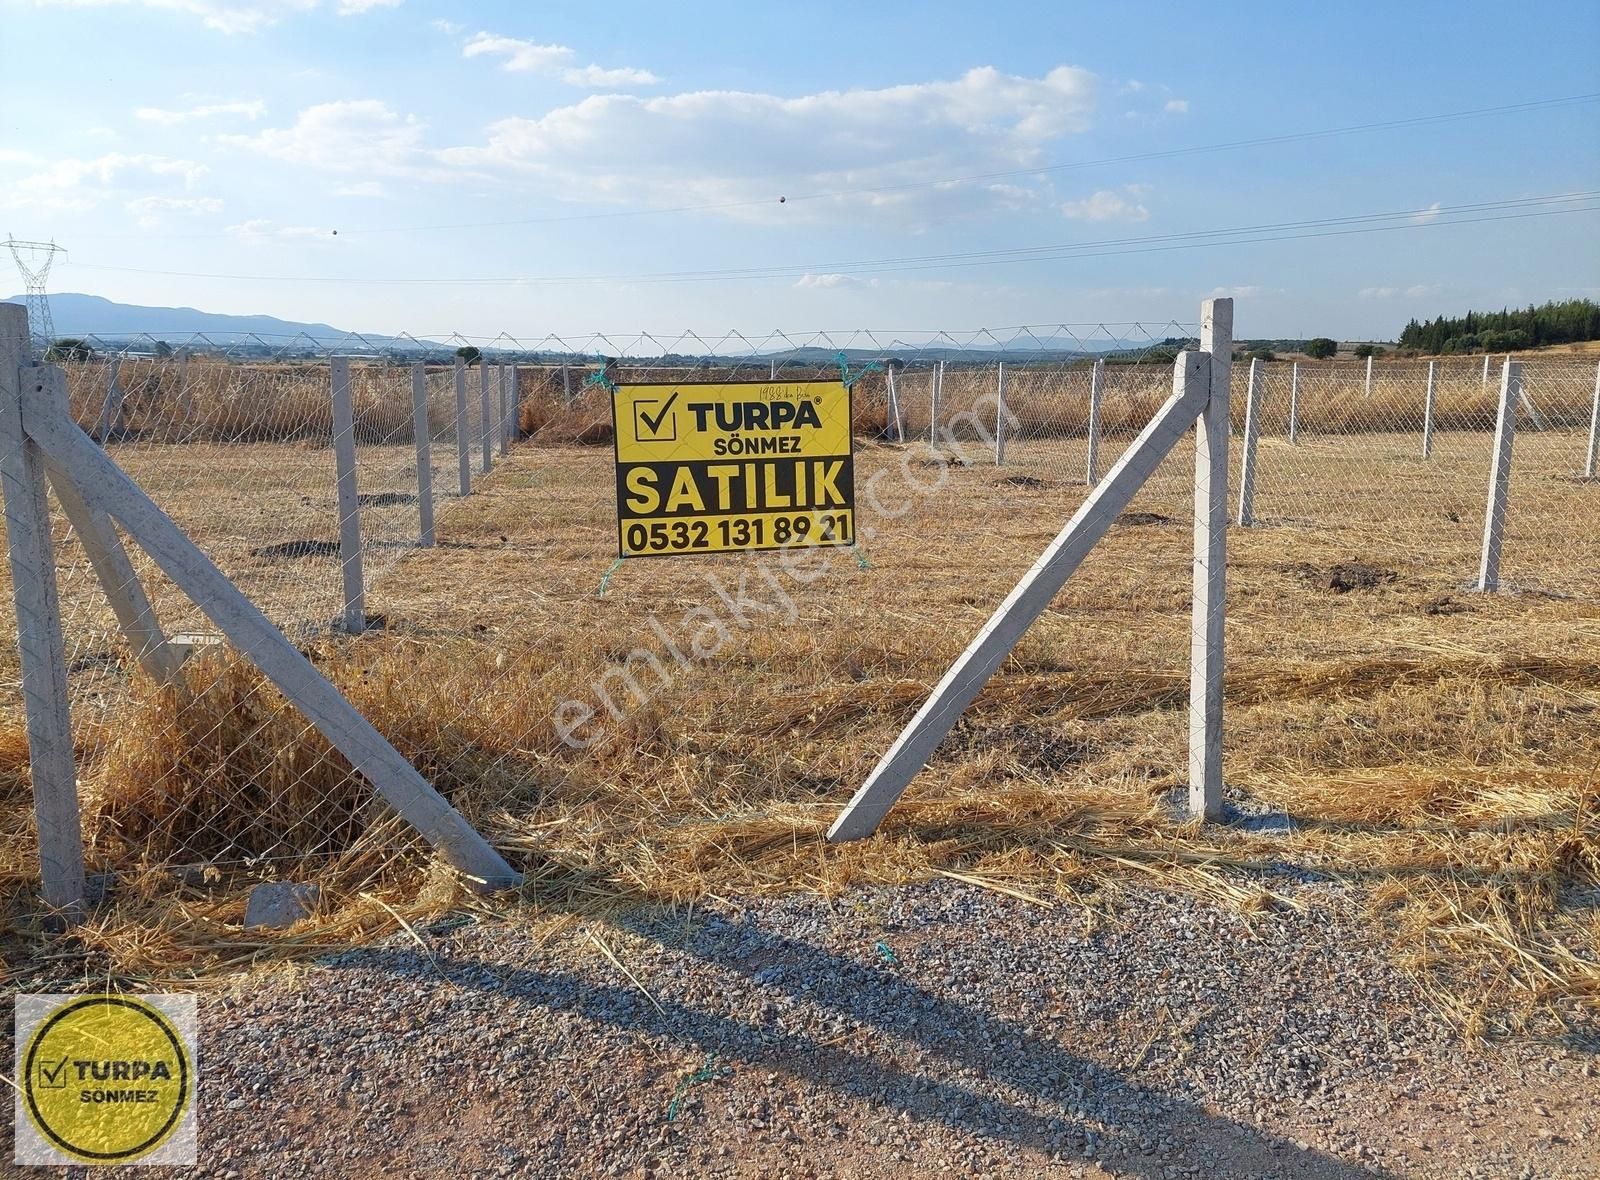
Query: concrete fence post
1097	385
1427	410
502	421
936	389
1252	434
514	427
422	432
1000	415
896	422
1294	403
566	383
41	645
1208	612
109	427
1485	371
485	417
344	458
185	394
1369	376
1594	430
1494	517
463	430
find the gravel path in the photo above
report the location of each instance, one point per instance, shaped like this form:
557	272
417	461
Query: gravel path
932	1030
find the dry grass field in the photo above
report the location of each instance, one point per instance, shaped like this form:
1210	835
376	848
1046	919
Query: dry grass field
1436	747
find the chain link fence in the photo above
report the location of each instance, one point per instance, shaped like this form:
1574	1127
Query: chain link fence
650	722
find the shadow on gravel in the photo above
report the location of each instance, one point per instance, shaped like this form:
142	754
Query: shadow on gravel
1046	1081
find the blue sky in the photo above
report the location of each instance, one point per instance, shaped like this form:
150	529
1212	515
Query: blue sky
234	137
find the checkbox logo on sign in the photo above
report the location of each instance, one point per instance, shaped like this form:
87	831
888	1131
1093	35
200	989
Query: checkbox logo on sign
654	421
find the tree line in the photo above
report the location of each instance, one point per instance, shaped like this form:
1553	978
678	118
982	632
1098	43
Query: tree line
1563	322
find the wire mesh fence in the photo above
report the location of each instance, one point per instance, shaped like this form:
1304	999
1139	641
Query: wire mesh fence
633	721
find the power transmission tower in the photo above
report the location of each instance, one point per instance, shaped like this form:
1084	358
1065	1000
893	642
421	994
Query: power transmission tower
34	260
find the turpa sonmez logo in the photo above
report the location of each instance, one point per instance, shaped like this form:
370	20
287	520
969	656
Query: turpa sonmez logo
105	1079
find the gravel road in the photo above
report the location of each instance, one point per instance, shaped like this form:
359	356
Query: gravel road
938	1029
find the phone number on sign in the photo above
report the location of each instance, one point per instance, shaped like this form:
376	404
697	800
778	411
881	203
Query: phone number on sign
767	530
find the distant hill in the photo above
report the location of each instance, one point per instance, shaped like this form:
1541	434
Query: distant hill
91	315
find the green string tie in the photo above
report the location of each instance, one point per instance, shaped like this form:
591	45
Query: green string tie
605	578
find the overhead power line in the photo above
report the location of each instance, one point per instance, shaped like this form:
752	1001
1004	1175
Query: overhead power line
1433	216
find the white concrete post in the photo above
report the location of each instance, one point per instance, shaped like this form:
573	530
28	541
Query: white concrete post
40	645
566	383
502	420
1485	370
463	434
1494	517
936	388
1369	376
896	422
1252	434
1209	606
1000	415
1427	410
422	433
185	395
109	428
1594	430
1294	403
514	418
344	458
1097	385
772	369
486	417
108	489
1026	602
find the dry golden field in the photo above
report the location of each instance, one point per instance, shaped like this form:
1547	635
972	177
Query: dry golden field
1434	747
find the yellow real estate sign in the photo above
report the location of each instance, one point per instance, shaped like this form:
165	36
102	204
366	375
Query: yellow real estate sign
709	468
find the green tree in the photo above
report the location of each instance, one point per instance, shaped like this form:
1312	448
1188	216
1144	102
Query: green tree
470	353
1321	348
69	349
1262	354
162	349
1365	350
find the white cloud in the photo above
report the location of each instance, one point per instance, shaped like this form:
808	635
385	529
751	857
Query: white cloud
599	78
530	57
519	55
1106	205
360	135
361	188
748	148
262	229
1177	106
823	281
249	110
148	211
448	27
1415	291
77	184
230	16
1244	291
174	205
1427	214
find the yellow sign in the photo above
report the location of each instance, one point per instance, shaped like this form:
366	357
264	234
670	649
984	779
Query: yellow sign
104	1079
712	468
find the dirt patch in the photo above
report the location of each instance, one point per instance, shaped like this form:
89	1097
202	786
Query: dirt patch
1033	746
1445	604
1022	481
1345	576
385	499
1137	519
300	547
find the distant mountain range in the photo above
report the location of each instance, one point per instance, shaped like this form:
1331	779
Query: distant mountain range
90	315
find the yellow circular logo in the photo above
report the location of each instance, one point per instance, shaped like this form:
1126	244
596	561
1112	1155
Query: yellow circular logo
106	1079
